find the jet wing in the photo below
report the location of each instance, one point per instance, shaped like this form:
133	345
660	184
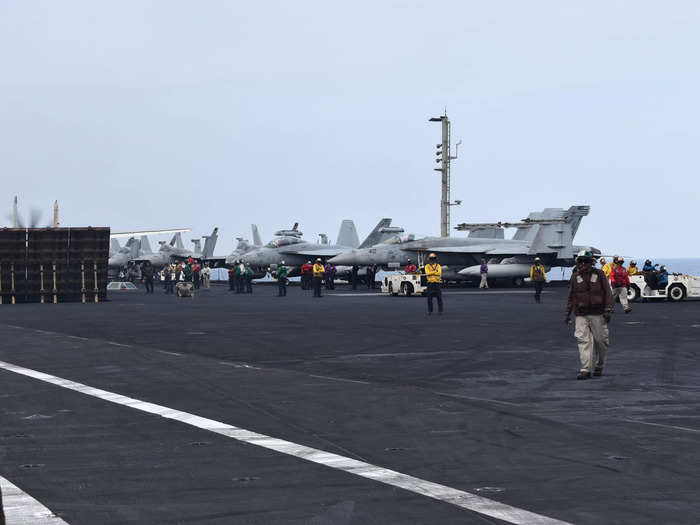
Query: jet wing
321	252
483	248
147	232
474	248
510	251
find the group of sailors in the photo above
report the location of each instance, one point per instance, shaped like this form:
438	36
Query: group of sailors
240	278
185	271
313	276
309	272
189	271
655	276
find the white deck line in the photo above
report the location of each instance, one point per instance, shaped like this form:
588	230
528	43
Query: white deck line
21	509
662	425
459	498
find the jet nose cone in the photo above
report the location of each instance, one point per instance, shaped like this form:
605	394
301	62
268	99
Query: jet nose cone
471	271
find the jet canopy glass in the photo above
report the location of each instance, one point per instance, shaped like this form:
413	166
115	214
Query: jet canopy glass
399	239
283	241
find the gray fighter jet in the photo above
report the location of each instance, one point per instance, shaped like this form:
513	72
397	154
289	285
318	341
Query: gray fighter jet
290	248
120	257
244	246
548	234
175	251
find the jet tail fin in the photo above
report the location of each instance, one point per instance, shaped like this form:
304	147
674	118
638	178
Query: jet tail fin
145	245
178	241
557	236
210	243
376	235
114	246
347	235
134	247
257	241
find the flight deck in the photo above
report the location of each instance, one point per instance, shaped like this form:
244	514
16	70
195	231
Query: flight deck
354	408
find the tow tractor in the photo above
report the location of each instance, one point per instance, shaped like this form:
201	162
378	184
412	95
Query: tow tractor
405	284
678	288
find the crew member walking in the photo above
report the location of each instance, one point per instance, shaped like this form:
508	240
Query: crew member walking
590	299
147	276
433	273
538	276
319	271
484	270
620	283
281	275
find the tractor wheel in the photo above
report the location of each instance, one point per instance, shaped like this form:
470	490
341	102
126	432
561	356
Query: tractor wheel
633	293
676	293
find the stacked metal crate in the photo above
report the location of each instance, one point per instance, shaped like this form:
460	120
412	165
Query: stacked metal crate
52	265
13	248
88	253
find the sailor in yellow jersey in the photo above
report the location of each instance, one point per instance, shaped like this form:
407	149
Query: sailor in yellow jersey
433	273
319	270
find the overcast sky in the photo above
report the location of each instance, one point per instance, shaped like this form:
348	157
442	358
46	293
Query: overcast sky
140	115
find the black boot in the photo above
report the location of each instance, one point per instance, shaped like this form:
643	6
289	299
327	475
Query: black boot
583	375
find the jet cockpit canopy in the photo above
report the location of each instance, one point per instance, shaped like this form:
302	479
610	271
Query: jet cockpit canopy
283	241
400	239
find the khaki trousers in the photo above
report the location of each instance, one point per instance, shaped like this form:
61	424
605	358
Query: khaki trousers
484	282
620	292
592	336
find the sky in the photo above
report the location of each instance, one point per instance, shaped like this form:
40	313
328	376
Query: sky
169	114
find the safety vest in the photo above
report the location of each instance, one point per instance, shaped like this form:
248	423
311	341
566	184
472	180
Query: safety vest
618	277
433	272
632	270
537	273
607	268
318	270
